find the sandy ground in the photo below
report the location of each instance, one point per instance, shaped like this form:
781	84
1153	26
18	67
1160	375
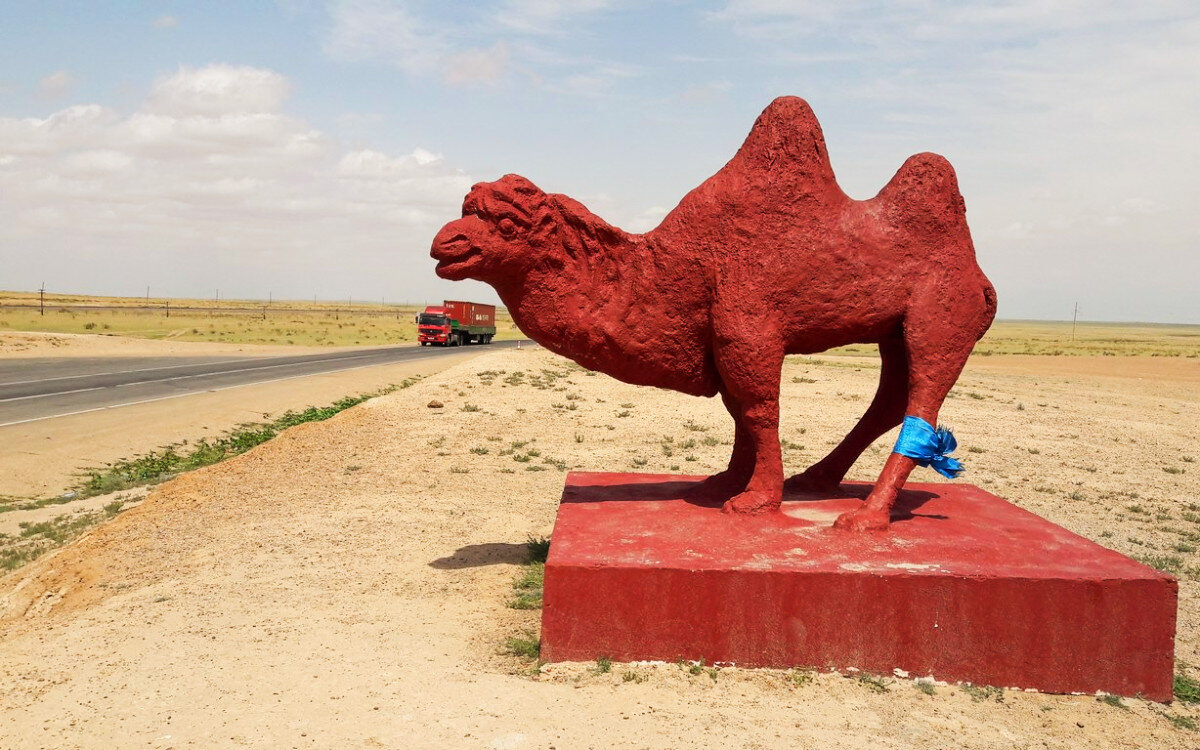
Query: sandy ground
45	458
344	585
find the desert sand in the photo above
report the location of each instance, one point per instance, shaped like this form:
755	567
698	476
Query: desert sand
345	585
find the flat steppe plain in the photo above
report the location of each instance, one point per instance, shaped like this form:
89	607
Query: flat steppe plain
227	321
345	585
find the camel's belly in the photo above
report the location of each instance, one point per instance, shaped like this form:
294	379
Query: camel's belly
657	363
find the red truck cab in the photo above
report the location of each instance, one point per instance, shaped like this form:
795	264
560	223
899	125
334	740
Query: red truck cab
434	326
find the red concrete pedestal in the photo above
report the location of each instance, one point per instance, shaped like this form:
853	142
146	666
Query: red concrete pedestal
965	587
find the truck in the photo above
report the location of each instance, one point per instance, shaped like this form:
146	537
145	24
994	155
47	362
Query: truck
455	323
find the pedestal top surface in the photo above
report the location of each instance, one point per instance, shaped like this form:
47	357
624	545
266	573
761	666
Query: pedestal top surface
641	520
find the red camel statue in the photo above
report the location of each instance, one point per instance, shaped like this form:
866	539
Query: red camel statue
767	258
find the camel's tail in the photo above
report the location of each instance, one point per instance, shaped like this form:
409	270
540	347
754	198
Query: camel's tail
989	299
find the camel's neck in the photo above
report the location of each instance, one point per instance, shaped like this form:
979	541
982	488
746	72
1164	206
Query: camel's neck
589	303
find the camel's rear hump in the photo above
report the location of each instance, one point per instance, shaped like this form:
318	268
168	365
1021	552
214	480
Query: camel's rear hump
923	198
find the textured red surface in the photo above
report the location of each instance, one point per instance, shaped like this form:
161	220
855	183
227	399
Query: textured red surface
768	257
967	587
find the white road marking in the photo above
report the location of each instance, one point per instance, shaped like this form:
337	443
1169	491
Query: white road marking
56	393
164	367
209	390
186	377
127	372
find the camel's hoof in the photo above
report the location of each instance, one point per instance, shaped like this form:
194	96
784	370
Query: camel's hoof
809	482
752	502
863	519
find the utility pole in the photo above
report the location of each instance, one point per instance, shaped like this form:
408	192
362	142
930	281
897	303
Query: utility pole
1074	319
168	308
147	293
270	297
42	299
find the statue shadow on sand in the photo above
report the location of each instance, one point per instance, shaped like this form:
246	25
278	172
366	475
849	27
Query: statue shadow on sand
482	555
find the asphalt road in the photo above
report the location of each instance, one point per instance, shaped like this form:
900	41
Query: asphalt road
48	387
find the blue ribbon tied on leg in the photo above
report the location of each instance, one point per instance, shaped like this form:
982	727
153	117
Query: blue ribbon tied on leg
928	446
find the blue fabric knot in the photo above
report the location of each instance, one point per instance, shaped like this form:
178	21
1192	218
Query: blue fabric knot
919	440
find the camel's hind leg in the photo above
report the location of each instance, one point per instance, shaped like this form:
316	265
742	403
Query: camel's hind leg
885	412
939	333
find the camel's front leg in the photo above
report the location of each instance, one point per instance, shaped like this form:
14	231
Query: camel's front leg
737	475
750	373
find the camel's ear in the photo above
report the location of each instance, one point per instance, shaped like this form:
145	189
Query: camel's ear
571	226
543	223
518	191
587	233
520	185
470	203
571	241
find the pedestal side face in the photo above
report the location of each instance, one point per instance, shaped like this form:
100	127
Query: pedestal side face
966	586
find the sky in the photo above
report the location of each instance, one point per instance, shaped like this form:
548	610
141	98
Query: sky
305	149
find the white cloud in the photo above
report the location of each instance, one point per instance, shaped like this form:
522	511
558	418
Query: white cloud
210	183
165	22
367	164
218	90
56	85
358	119
364	30
476	65
482	46
647	220
1017	230
545	16
1142	206
96	162
703	93
598	81
884	23
68	129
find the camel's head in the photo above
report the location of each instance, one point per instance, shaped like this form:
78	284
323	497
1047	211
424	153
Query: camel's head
495	238
510	227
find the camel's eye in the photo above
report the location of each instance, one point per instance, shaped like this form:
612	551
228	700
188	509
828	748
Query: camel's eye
507	227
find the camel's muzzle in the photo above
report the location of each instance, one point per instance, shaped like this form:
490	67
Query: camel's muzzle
455	250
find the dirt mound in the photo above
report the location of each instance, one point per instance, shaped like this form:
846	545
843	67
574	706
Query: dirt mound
345	585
